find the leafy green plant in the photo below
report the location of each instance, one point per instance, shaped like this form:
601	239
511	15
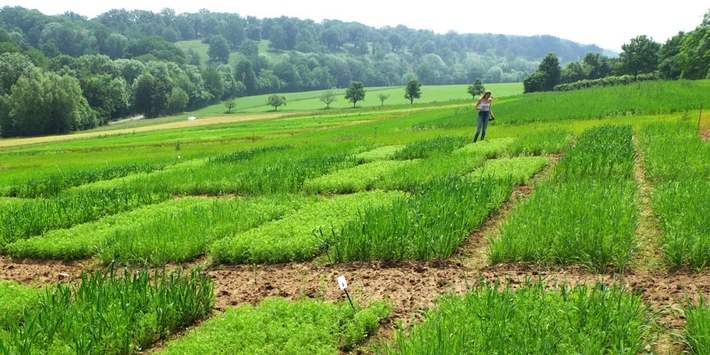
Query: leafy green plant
278	326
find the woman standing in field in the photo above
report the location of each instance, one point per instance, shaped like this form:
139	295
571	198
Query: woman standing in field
483	105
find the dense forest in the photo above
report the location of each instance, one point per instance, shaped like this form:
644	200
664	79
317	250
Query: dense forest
65	73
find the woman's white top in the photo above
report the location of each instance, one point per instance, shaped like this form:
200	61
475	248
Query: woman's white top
484	106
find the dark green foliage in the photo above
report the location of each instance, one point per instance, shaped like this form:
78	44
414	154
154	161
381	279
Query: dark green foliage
108	313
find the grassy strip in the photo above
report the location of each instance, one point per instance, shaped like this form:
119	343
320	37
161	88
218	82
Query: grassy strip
676	160
684	213
519	169
187	234
380	153
53	184
696	336
358	178
426	148
490	149
14	299
550	141
110	314
601	153
532	319
277	326
295	237
34	217
172	231
584	222
430	224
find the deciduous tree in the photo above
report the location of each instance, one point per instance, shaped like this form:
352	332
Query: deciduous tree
355	93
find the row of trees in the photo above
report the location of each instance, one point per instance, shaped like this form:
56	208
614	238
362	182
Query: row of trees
684	56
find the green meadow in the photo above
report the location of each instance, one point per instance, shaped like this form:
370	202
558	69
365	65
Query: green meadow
609	181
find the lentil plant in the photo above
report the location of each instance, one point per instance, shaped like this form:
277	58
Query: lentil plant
278	326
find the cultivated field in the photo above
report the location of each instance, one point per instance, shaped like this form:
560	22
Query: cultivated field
581	224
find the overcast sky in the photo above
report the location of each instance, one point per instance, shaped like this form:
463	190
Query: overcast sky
606	23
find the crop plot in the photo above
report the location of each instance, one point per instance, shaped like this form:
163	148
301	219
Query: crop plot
526	242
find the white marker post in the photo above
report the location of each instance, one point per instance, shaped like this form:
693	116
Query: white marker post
344	286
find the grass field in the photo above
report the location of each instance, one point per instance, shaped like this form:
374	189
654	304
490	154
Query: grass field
579	225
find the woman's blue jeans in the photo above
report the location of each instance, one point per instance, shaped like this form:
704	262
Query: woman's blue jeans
482	124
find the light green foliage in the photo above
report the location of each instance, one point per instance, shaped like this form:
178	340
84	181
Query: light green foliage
187	233
111	314
430	224
490	149
583	222
519	169
535	318
358	178
14	298
297	236
173	231
426	148
380	153
278	326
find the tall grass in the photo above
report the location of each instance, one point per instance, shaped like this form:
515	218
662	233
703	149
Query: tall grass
532	319
696	336
278	326
684	213
111	314
426	148
601	153
430	224
583	222
678	162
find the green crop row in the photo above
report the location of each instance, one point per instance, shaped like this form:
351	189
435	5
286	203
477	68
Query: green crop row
696	335
585	215
673	151
110	314
549	141
430	224
277	326
296	237
583	222
605	152
53	184
34	217
172	231
519	169
676	161
533	319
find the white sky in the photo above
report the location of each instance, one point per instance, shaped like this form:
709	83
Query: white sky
606	23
